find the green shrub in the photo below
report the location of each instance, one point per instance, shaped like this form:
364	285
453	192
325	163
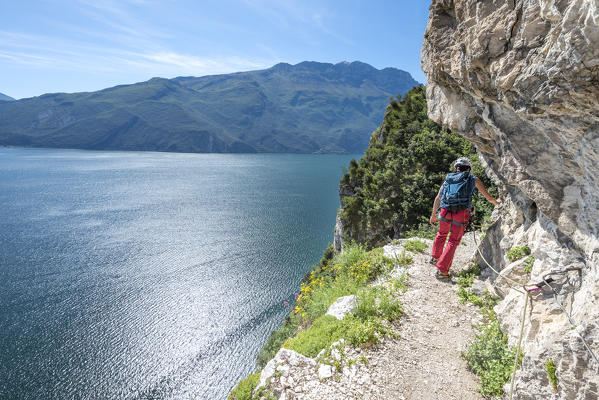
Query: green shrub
327	255
489	357
342	275
517	252
465	280
399	175
325	331
484	301
467	296
364	324
423	230
352	254
466	277
403	259
415	246
274	342
349	271
528	263
551	370
389	307
473	269
323	294
364	331
377	301
244	389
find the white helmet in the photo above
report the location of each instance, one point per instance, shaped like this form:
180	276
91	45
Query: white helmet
462	161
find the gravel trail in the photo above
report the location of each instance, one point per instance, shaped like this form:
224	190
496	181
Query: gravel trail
426	362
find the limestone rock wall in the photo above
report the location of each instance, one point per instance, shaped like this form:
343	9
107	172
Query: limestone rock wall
520	79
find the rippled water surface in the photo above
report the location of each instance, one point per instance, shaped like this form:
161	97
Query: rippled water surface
151	275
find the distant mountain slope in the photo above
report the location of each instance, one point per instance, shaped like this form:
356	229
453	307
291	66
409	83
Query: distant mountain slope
307	108
4	97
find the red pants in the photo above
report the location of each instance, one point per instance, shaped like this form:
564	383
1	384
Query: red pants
457	225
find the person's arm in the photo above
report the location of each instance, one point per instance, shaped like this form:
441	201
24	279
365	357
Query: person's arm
481	187
433	219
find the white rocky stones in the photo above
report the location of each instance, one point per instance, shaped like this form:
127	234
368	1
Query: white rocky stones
480	287
325	371
293	376
281	365
520	79
342	306
512	275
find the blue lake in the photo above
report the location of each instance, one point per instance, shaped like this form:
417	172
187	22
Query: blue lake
151	275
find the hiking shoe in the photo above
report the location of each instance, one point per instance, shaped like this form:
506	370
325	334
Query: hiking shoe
441	276
433	261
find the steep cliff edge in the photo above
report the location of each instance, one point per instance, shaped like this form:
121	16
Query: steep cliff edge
520	80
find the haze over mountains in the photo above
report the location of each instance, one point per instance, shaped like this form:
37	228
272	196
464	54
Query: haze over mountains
309	107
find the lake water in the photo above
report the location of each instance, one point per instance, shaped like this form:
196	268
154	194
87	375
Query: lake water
151	275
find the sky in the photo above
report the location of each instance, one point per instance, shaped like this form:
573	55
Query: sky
49	46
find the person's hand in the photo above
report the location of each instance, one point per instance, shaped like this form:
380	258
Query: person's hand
433	219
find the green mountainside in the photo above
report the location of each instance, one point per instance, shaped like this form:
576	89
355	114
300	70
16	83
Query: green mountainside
305	108
4	97
390	191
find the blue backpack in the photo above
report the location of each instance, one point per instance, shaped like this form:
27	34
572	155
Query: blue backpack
456	193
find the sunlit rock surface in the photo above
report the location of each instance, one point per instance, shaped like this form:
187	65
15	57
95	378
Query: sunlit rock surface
520	79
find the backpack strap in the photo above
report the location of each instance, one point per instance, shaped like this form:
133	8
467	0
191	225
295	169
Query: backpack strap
473	183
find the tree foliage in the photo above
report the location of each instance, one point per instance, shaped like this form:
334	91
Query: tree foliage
392	187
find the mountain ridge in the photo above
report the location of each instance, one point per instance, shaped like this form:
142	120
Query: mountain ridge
309	107
4	97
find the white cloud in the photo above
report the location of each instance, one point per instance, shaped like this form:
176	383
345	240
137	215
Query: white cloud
46	52
170	63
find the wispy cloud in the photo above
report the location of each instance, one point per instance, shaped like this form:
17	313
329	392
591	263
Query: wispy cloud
177	64
50	52
121	17
302	18
115	38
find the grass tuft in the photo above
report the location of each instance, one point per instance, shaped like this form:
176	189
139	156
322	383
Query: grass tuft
415	246
244	389
403	259
551	370
325	331
467	276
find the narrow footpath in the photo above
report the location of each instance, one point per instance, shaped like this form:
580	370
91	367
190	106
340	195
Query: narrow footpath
425	362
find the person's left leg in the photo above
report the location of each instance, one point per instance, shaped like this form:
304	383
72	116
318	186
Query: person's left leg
439	241
457	231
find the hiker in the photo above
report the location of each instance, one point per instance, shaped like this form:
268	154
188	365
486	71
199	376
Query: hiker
454	200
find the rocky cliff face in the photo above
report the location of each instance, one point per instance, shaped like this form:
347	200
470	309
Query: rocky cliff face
520	79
